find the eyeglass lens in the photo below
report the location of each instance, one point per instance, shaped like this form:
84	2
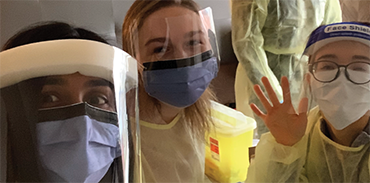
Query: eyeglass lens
327	71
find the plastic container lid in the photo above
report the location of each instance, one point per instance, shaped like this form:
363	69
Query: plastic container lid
231	122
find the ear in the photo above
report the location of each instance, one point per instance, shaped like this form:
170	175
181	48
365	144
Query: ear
308	78
308	75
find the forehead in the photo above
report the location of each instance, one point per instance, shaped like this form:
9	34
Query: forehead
76	78
344	49
171	20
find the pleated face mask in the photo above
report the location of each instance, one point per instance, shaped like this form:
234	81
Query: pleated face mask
77	143
181	82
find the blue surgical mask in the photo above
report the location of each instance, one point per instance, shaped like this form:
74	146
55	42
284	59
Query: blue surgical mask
181	82
77	143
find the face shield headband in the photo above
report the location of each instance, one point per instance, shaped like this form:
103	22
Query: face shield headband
337	32
62	57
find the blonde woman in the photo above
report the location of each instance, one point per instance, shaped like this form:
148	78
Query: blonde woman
174	97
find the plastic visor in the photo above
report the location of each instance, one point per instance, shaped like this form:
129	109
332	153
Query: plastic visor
20	67
176	38
179	55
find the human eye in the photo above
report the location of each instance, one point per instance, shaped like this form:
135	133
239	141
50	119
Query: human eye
195	45
359	66
160	49
194	42
101	97
49	100
97	100
325	66
358	69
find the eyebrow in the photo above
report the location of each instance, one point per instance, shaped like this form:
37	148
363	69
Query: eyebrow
159	39
163	39
99	82
360	57
327	56
54	81
192	33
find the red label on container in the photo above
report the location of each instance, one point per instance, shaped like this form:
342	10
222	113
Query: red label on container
214	149
213	141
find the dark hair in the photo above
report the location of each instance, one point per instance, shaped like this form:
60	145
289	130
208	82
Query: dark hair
50	30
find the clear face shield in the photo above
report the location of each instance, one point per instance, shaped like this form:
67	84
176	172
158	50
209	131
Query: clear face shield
179	54
65	107
337	79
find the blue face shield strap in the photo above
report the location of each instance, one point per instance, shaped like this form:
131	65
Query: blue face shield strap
77	143
180	83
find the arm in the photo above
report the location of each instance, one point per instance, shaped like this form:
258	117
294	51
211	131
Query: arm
280	154
248	19
275	162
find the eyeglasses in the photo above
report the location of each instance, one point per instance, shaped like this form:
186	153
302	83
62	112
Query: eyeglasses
328	71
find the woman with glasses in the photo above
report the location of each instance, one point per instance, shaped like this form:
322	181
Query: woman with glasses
331	142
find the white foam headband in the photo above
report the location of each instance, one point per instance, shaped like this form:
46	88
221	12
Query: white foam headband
58	57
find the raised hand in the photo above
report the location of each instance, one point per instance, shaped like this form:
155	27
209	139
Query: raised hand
284	123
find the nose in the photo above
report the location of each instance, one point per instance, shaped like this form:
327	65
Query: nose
75	96
180	53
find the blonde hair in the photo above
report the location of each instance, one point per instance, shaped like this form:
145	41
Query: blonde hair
198	115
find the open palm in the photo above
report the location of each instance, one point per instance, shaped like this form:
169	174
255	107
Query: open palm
284	123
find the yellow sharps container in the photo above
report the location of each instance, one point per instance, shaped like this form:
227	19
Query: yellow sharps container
227	154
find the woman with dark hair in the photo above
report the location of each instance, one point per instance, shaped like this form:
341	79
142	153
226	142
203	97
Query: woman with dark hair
59	115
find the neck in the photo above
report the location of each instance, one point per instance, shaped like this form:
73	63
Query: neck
347	135
154	111
168	112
